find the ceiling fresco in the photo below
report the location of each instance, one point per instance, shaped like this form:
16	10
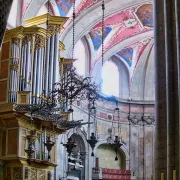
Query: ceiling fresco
145	15
125	24
118	27
96	36
131	54
127	55
64	6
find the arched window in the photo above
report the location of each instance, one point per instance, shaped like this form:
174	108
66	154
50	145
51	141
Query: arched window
80	56
110	79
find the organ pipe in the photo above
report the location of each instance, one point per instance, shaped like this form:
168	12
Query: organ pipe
34	67
13	88
51	61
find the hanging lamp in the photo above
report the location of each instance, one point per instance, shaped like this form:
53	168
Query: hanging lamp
93	139
117	142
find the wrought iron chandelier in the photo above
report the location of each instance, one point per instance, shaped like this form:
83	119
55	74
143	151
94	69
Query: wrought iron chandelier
31	139
92	142
49	144
69	146
93	138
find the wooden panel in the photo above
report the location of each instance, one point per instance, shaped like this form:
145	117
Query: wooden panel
3	90
17	173
53	154
23	99
5	51
10	123
23	146
33	174
41	175
12	141
4	143
9	173
23	132
4	69
0	143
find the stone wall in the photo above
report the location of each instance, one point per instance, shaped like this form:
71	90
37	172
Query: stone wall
137	141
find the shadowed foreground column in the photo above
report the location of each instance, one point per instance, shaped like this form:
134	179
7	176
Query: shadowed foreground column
5	6
167	88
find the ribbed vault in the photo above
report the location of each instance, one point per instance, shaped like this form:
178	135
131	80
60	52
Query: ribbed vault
128	39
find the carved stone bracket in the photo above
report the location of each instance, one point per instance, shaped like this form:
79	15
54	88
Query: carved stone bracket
148	119
14	67
27	38
16	41
39	42
53	29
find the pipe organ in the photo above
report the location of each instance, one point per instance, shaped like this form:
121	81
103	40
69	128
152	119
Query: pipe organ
29	66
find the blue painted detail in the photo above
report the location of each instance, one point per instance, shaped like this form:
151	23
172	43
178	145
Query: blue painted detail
96	36
148	19
64	6
145	14
108	98
127	55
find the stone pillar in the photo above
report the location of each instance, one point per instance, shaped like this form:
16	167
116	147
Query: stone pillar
160	92
167	87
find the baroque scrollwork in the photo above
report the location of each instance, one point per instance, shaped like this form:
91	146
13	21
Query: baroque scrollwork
16	41
14	67
42	175
53	29
33	174
146	119
26	39
17	174
39	42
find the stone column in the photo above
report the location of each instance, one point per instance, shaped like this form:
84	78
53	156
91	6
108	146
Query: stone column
167	87
160	92
177	121
5	6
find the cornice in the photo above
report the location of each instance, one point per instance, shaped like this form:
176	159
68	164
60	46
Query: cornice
21	32
53	20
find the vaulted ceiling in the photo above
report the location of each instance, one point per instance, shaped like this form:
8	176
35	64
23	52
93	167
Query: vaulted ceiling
128	28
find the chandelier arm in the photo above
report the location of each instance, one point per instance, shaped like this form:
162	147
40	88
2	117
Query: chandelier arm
103	9
74	16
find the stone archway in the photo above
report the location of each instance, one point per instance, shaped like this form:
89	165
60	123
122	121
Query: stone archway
82	148
106	156
123	150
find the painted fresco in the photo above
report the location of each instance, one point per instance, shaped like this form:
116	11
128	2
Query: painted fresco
96	36
145	15
64	6
127	55
85	4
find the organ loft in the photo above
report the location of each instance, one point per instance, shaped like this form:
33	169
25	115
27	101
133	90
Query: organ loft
23	78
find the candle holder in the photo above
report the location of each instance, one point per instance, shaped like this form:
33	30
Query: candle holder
92	142
49	144
116	146
31	139
70	145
